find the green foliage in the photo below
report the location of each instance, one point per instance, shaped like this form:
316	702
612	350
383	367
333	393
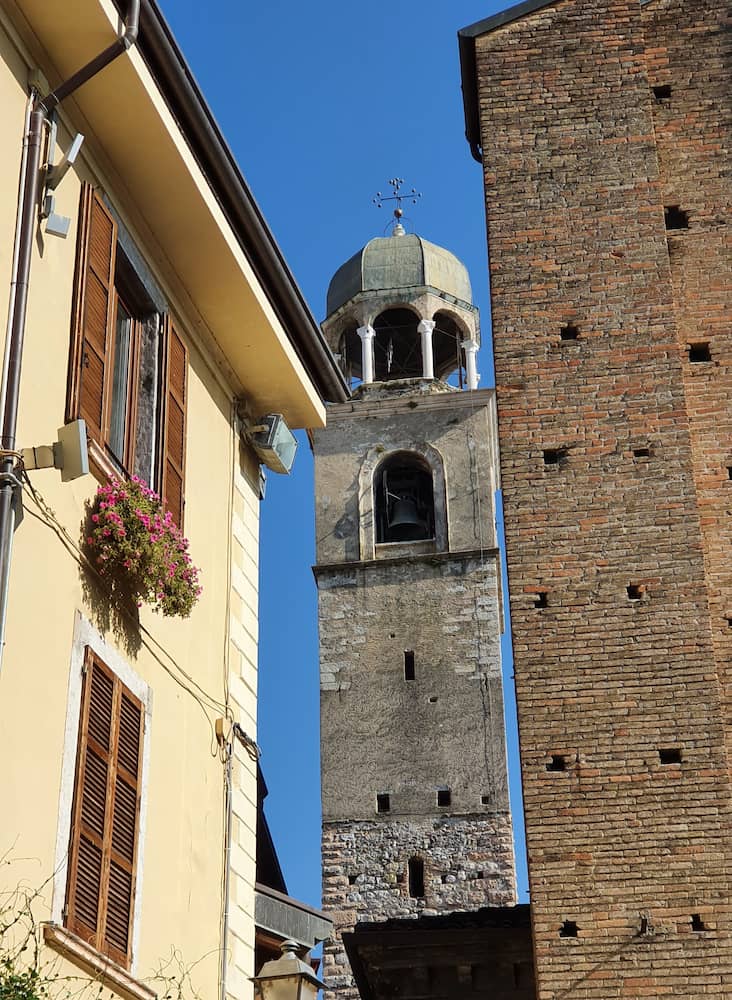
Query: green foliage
27	984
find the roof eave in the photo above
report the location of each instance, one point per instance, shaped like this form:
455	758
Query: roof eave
468	68
197	123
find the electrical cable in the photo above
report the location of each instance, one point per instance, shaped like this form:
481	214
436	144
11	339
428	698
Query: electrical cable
48	517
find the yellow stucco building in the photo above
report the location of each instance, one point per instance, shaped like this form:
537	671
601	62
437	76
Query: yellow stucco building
167	319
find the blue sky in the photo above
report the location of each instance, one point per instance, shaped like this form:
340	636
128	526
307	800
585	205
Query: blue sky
321	104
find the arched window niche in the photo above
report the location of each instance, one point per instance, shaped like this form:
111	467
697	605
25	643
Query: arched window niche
402	501
397	344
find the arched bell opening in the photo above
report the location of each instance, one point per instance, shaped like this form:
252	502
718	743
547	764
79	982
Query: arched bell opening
350	361
397	345
449	356
404	500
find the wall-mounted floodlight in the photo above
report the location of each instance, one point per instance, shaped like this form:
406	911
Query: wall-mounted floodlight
56	172
274	442
57	225
70	453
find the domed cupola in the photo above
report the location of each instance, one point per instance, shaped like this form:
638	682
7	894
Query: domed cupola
401	308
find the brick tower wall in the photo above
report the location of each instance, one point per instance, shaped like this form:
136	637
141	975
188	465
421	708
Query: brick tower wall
689	50
603	439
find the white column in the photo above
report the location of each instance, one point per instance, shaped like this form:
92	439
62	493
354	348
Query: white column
367	334
426	326
471	349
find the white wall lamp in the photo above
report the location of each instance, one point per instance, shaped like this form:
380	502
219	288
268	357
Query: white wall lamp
70	453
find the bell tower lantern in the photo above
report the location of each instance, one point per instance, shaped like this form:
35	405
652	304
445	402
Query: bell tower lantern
416	819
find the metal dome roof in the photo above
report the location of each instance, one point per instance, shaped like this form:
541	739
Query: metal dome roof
399	261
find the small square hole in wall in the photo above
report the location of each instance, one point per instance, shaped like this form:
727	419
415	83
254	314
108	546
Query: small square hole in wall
729	622
675	217
569	332
485	800
541	599
444	798
352	879
729	472
635	591
643	452
569	929
669	755
697	924
558	762
662	92
698	353
553	456
383	802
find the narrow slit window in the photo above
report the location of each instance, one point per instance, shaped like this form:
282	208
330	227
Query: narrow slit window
699	353
675	217
408	664
383	802
416	878
444	797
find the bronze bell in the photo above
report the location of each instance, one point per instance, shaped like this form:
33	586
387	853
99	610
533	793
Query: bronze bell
405	524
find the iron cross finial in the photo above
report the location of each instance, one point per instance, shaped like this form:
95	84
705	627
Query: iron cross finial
398	197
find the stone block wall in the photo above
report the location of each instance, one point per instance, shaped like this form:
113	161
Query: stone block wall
612	452
468	864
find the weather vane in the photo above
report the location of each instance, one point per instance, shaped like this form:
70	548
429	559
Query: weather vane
396	185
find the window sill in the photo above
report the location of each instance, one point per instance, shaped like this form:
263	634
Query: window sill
101	465
386	550
110	975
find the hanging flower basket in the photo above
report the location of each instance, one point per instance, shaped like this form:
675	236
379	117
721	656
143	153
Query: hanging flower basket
137	548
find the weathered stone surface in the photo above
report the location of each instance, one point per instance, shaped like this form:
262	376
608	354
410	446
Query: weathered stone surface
382	732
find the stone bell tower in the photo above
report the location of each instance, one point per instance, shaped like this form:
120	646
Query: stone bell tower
415	806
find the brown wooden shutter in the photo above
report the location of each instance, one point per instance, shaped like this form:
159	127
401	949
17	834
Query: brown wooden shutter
93	308
174	423
103	849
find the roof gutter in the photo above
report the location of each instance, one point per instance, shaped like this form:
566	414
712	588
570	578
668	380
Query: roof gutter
468	67
178	86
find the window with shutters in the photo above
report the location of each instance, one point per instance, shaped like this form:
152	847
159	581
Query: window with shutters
104	830
128	367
